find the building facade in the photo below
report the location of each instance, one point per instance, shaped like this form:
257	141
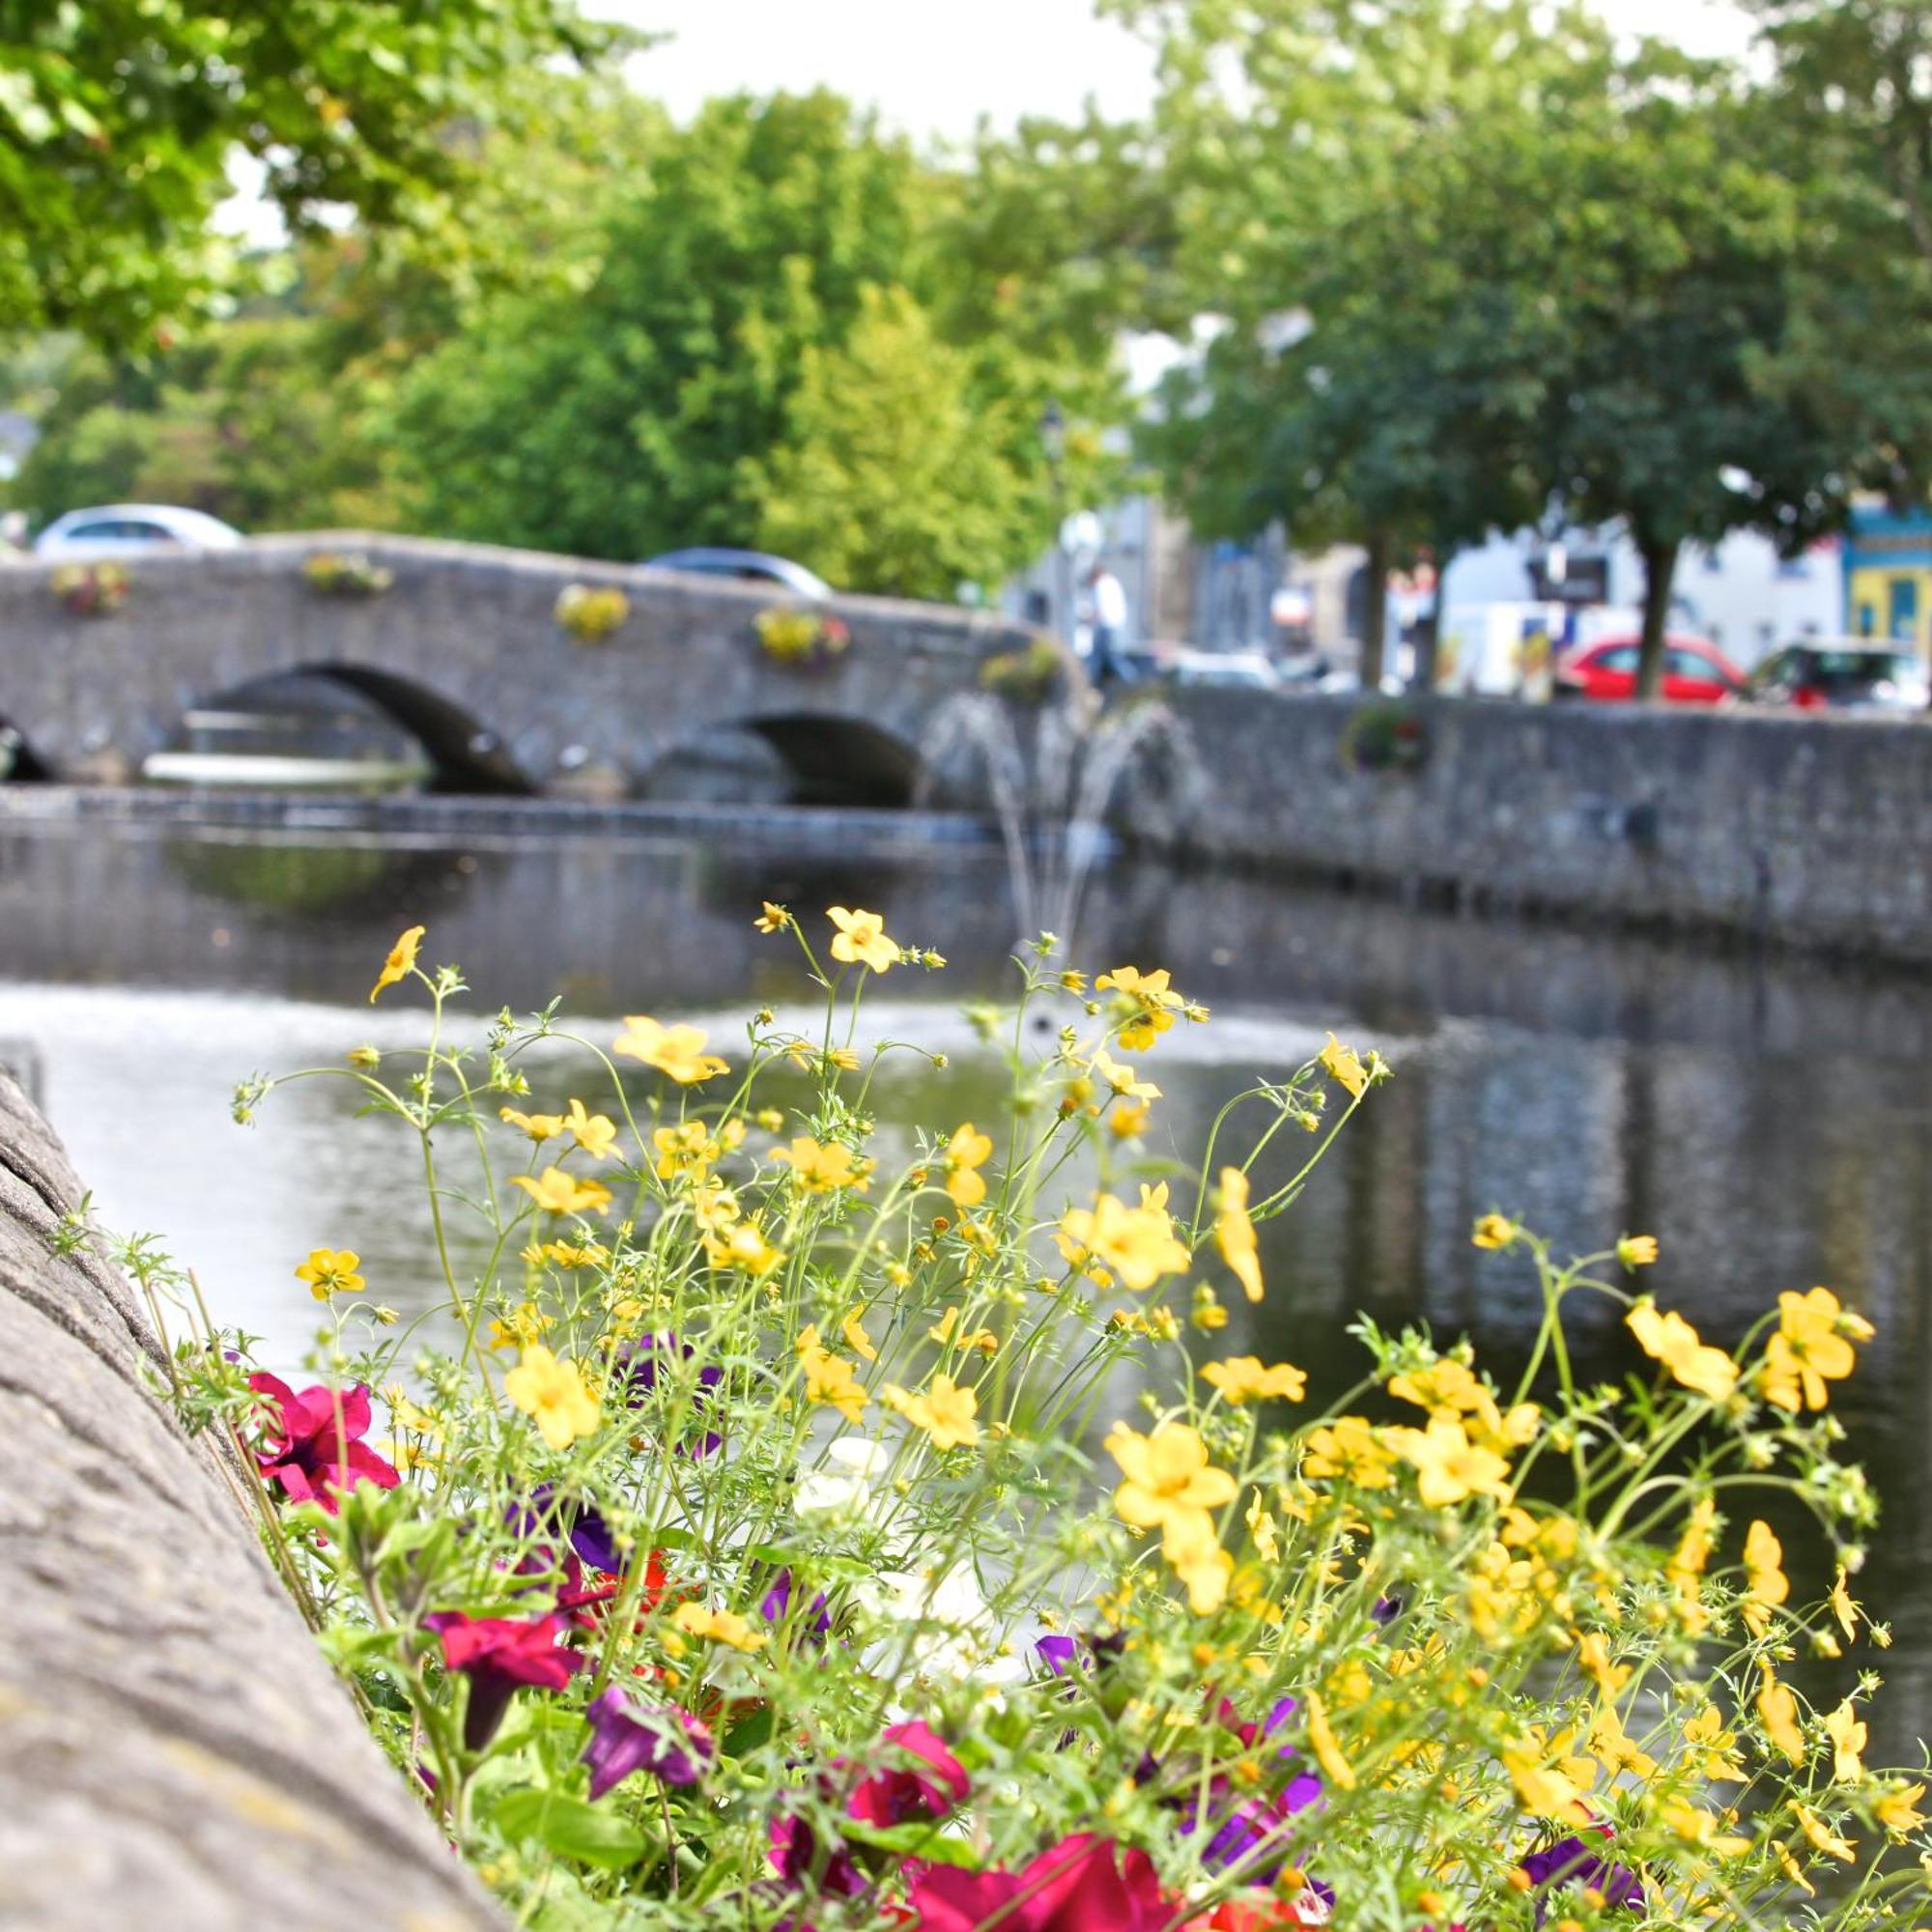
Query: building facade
1889	577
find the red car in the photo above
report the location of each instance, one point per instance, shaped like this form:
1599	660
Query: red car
1695	671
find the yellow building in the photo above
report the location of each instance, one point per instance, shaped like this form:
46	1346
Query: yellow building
1889	577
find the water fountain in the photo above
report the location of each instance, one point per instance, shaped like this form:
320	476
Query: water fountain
1053	787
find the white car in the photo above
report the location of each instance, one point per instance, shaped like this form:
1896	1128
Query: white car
131	530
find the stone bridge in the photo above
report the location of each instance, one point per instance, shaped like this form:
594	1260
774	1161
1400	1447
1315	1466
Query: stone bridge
463	650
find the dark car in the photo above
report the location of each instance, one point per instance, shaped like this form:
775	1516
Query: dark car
748	566
1694	671
1841	675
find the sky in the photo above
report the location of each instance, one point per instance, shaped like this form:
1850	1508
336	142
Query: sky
932	70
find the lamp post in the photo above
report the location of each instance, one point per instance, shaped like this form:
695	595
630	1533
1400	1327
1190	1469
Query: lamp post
1053	441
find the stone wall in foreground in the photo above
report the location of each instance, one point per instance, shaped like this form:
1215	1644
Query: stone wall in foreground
1792	829
174	1754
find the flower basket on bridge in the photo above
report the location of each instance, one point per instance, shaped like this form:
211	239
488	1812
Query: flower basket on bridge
333	574
806	640
1386	738
591	615
91	590
1031	676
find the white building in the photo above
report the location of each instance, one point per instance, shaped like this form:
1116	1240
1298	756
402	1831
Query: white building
1739	593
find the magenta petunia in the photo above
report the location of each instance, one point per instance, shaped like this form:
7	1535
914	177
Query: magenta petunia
498	1655
313	1446
1084	1884
900	1796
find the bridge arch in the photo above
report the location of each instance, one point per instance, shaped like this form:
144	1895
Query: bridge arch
459	752
20	762
792	758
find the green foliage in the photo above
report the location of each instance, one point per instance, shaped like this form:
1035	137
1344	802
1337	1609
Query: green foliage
889	477
118	119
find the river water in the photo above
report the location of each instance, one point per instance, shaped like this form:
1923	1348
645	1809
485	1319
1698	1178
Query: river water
1770	1120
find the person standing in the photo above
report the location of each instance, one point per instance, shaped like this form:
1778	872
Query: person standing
1107	606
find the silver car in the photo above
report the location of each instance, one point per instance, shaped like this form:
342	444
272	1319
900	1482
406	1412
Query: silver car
131	530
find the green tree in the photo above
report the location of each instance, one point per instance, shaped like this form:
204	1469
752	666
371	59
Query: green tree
119	120
889	476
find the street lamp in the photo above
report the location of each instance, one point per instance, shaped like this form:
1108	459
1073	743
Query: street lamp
1053	441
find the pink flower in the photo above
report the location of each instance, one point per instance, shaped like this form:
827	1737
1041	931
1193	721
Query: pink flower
498	1654
314	1446
901	1796
1083	1883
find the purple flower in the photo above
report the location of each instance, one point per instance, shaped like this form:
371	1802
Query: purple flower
634	1376
777	1606
1061	1653
626	1736
1572	1862
587	1531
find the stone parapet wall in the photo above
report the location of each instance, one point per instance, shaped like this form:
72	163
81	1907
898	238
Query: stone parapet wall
1793	828
174	1754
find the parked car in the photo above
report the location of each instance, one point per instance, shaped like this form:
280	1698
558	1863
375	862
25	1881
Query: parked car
132	529
1841	675
750	566
1695	671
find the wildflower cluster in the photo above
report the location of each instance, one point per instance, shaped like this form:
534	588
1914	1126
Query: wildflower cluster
789	635
767	1547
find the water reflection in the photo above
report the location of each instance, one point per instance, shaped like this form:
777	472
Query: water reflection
1771	1122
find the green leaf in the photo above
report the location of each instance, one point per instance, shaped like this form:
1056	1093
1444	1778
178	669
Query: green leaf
915	1840
572	1828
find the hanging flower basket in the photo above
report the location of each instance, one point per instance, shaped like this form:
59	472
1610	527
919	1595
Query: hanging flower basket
91	590
804	640
335	574
1386	738
591	615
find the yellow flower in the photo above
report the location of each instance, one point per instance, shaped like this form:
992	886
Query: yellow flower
1766	1584
829	1378
736	1244
945	1411
402	960
1347	1070
1447	1389
1544	1791
1127	1123
576	1255
1778	1712
1154	1002
966	1153
556	1192
1898	1810
1194	1553
1671	1340
861	939
773	917
1234	1233
594	1133
1842	1606
1848	1737
1822	1836
1636	1251
1328	1753
1347	1450
1698	1828
853	1328
724	1626
1262	1527
1711	1748
1242	1378
824	1167
1494	1231
539	1126
678	1051
1808	1350
552	1394
1121	1078
1449	1467
1137	1243
1693	1545
520	1327
331	1271
1167	1475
